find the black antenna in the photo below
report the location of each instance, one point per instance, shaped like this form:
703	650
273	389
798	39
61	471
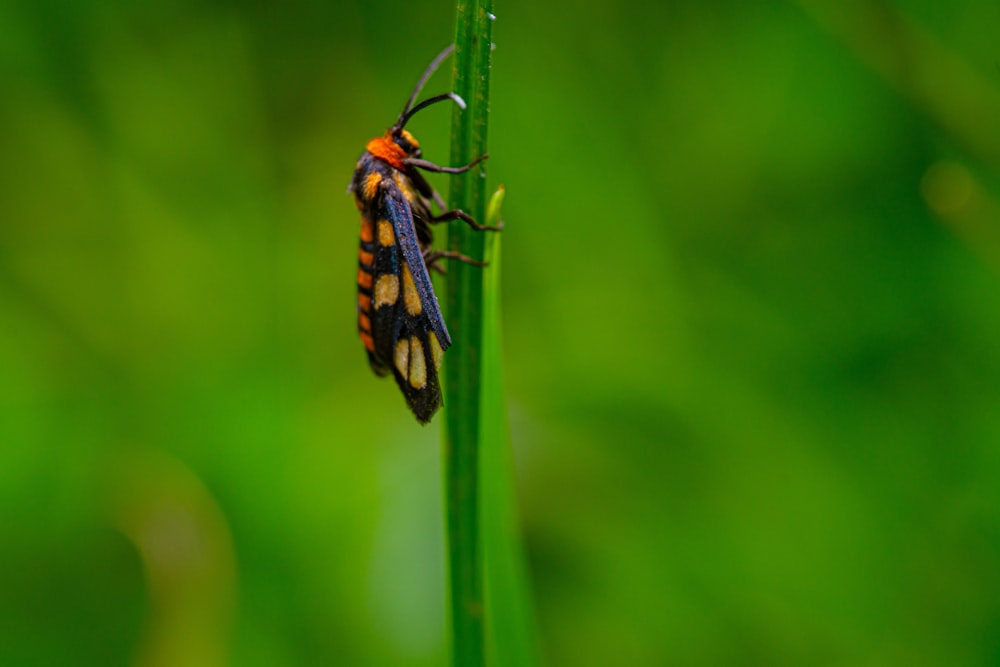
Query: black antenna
401	123
407	111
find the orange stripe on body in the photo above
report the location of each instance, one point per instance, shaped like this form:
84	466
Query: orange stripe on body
366	257
364	279
364	303
367	234
367	340
364	322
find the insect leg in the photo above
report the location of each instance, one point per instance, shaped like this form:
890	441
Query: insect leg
430	166
432	256
425	188
456	214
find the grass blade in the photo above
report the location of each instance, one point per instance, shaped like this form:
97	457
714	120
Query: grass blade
463	298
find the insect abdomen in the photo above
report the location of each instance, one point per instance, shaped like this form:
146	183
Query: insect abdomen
366	187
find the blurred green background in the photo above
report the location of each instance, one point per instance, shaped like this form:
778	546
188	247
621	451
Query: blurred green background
752	333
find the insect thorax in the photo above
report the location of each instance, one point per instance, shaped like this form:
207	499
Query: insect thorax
372	176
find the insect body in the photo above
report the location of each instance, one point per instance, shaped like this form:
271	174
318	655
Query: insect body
399	319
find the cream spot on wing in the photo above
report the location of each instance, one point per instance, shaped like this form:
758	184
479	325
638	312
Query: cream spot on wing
405	187
436	352
410	296
402	358
385	234
418	367
386	290
371	185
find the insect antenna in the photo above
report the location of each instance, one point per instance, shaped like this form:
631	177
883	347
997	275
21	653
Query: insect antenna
426	103
407	112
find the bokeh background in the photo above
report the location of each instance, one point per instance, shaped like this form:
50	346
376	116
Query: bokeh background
752	333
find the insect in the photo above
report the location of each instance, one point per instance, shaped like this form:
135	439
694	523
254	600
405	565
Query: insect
399	319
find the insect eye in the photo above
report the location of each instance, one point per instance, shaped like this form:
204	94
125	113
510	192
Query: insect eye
405	144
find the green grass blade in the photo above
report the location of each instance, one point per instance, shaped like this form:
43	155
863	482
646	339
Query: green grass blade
463	298
510	622
476	437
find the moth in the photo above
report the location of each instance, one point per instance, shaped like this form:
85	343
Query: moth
399	319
